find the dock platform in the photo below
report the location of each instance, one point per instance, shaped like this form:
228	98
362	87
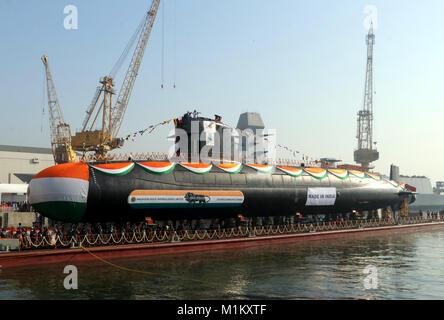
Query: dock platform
72	255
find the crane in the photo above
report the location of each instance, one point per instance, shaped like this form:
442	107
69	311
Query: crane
365	154
104	139
60	131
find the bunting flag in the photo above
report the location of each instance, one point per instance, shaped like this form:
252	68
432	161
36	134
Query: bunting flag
262	168
286	148
317	173
294	172
151	128
178	121
232	168
394	183
374	176
340	173
293	151
161	168
114	169
198	168
403	186
157	167
358	174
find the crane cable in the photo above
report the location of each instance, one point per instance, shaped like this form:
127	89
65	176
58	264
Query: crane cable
43	102
163	46
125	52
174	44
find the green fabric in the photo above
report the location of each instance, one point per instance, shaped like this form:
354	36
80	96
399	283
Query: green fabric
65	211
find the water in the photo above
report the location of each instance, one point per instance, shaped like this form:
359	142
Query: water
410	265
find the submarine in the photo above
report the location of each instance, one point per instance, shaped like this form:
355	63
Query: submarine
119	191
131	191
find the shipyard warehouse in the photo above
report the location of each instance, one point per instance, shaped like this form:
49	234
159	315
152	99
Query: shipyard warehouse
19	164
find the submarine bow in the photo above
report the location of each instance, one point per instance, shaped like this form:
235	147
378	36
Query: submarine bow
60	192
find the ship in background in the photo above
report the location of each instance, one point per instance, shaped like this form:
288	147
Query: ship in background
428	198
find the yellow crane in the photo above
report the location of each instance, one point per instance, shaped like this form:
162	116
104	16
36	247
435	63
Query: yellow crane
60	131
105	138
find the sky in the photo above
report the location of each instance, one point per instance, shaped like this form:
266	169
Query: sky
300	64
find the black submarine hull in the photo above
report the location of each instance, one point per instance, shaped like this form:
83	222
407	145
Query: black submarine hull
129	191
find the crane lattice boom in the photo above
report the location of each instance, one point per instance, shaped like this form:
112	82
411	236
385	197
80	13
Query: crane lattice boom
366	153
60	131
130	77
104	139
365	116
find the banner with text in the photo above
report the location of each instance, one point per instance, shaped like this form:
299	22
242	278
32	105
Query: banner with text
321	196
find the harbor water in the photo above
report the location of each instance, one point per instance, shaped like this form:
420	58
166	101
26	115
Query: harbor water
404	265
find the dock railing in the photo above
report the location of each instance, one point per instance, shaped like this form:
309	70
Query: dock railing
155	236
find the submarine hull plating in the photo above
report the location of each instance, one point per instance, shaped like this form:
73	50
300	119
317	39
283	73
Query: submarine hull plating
162	190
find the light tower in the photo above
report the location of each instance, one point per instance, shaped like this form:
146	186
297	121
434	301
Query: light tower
365	152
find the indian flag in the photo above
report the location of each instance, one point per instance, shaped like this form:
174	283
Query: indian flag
374	176
115	169
317	173
232	168
340	173
394	183
60	192
157	167
198	168
358	174
263	168
294	172
402	186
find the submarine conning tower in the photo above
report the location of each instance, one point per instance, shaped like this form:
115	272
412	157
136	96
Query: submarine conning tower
196	135
199	139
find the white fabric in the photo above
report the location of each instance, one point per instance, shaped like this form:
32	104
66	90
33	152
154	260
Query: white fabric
58	189
321	196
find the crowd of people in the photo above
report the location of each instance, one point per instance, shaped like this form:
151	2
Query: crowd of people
430	214
108	228
87	229
22	206
82	229
21	231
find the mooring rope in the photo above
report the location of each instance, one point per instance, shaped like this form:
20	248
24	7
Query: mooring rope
151	273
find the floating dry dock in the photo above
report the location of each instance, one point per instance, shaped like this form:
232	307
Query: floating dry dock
245	238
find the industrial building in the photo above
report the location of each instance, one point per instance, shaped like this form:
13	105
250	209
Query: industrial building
19	164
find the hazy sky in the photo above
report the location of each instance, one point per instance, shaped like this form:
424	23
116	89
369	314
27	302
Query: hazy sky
301	64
